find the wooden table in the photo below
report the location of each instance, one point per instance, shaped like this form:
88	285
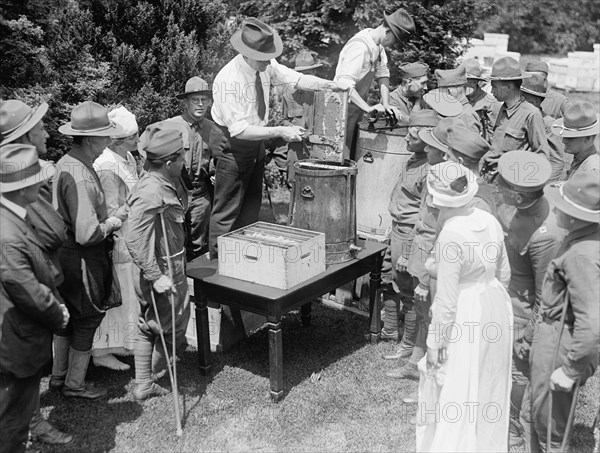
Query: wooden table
274	303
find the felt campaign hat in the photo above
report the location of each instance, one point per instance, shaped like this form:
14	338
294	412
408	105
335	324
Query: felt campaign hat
537	66
447	78
507	68
523	171
305	61
17	118
124	118
423	118
20	167
90	119
256	40
438	136
195	85
451	185
163	141
579	120
465	141
473	69
443	103
413	70
536	85
578	197
399	22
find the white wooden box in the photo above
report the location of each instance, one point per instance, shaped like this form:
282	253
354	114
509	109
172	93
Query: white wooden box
272	255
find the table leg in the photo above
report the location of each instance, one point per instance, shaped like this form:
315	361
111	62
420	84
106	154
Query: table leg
202	332
305	314
374	301
275	358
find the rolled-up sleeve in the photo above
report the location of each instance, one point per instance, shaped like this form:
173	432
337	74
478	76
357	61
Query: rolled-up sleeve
381	65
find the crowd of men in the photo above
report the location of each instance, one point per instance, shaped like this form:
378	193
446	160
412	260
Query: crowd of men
201	178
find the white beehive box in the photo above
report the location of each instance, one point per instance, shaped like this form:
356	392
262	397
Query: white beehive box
272	255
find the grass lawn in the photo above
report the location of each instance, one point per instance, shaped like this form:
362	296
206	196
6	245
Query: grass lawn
336	398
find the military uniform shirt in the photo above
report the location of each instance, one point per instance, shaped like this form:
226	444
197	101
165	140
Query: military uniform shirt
554	104
587	160
406	196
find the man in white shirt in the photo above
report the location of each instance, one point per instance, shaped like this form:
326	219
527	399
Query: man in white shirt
241	107
363	59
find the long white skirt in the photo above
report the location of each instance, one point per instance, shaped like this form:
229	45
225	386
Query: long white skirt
465	407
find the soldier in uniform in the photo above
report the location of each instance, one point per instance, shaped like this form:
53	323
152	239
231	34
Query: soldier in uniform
485	105
565	347
453	82
532	241
158	199
416	251
467	148
412	87
534	91
519	124
578	130
555	103
404	209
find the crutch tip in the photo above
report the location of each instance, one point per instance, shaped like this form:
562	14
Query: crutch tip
179	432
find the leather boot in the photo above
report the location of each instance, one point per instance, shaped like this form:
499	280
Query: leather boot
408	338
75	385
60	361
515	429
408	371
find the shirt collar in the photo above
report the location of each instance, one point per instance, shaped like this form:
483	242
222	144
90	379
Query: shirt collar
514	108
582	232
15	208
580	157
244	66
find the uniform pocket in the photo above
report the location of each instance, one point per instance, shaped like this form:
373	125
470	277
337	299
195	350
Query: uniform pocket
513	139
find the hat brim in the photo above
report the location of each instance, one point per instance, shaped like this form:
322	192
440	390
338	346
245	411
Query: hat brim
507	79
308	68
449	201
474	77
447	109
555	199
110	131
38	114
238	44
47	171
392	28
535	93
559	130
184	95
425	134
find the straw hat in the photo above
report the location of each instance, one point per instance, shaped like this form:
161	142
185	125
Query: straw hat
20	167
17	118
451	185
90	119
578	197
256	40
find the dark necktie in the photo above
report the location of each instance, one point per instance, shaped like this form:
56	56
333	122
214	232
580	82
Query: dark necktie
260	97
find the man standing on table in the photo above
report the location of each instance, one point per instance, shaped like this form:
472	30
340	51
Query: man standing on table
241	94
363	59
158	193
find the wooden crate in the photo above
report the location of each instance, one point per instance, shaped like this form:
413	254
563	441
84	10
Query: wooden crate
272	255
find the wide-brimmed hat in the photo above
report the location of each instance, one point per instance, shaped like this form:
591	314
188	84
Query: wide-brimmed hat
507	68
463	140
579	120
124	118
17	118
515	170
443	103
537	66
423	118
473	69
451	185
20	167
256	40
400	23
90	119
195	85
438	136
447	78
163	140
305	61
578	197
536	85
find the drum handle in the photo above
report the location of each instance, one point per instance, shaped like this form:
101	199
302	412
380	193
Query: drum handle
307	193
368	158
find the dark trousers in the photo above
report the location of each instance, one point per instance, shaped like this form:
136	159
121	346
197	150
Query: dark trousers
18	398
197	219
238	189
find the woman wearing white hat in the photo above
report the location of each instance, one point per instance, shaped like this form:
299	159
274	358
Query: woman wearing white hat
464	390
116	168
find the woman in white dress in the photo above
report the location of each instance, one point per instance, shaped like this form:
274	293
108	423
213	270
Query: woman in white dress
116	168
464	389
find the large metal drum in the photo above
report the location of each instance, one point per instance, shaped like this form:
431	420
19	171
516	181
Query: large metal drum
381	158
324	199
